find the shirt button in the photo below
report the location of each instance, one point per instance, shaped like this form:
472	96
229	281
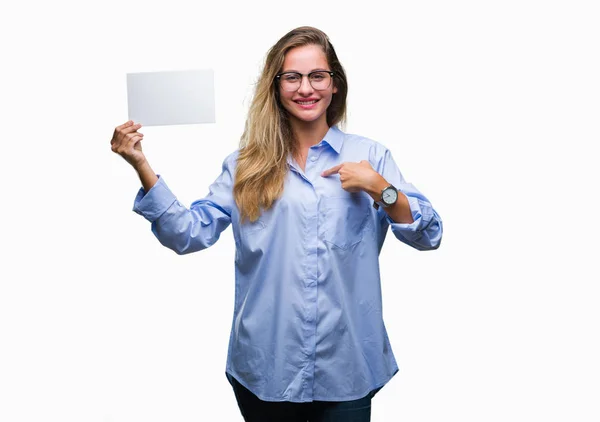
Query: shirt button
313	158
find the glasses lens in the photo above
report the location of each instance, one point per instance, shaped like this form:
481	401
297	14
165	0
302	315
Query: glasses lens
320	80
290	81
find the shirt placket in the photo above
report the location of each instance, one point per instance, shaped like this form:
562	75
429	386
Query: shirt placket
310	273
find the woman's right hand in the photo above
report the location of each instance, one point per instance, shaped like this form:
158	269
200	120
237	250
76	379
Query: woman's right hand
126	142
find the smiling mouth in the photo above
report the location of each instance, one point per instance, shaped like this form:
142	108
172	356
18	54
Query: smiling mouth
306	102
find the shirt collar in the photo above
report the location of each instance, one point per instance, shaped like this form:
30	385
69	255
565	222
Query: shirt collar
334	137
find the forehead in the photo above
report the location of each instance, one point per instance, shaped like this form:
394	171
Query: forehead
305	58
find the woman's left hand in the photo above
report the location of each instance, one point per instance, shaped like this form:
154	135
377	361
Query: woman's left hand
359	176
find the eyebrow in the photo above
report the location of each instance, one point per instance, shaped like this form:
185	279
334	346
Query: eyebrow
314	70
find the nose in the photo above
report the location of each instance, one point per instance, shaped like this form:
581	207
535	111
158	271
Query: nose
305	86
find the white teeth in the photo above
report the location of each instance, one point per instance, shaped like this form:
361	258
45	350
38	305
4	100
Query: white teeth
306	102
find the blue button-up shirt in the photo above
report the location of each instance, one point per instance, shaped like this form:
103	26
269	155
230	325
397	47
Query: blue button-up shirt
307	321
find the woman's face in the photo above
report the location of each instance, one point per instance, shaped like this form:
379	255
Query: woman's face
306	104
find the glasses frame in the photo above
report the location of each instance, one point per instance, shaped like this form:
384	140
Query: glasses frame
302	75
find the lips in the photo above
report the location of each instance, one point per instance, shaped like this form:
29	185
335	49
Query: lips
307	102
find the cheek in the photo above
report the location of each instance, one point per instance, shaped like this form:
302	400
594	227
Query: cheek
330	98
285	96
284	100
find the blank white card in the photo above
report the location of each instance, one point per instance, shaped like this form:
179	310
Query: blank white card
172	97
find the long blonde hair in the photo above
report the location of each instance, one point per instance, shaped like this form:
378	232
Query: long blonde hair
268	139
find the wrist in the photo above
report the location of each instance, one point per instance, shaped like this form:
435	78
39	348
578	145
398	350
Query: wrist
147	177
377	185
141	166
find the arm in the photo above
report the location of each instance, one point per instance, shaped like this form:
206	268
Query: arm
412	218
178	228
188	230
146	175
425	230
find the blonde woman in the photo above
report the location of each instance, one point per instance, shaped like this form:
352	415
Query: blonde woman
310	207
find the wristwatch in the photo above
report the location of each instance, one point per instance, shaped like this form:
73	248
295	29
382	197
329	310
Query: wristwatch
389	196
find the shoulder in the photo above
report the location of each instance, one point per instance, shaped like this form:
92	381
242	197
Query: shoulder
376	150
230	160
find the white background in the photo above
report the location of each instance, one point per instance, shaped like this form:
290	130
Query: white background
491	109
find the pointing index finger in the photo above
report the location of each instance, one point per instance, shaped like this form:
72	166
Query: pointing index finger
332	170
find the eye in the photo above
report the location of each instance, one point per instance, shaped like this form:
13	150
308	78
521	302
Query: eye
319	76
290	77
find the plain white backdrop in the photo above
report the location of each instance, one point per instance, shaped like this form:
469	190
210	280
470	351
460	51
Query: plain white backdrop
491	109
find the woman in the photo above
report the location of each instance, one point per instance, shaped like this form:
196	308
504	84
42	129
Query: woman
310	207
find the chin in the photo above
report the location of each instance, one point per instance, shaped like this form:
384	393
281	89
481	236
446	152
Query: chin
309	116
305	118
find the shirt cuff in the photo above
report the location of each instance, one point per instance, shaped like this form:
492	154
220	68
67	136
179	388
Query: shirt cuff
152	204
421	212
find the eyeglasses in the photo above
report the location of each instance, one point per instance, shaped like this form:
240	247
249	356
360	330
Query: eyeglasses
291	81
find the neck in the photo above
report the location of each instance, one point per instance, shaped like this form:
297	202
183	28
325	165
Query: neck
308	134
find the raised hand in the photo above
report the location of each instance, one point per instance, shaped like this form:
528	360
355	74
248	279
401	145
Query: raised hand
126	142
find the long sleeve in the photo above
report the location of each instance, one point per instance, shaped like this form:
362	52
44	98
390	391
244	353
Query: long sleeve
425	232
188	230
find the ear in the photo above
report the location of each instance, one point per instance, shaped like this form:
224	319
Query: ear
334	89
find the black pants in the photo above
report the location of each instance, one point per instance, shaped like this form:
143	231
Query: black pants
256	410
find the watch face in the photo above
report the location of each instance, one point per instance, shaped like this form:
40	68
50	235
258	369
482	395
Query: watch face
389	196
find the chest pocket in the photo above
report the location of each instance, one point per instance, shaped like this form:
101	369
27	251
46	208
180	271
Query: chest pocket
344	219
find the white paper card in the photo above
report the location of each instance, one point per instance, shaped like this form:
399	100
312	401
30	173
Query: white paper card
172	97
